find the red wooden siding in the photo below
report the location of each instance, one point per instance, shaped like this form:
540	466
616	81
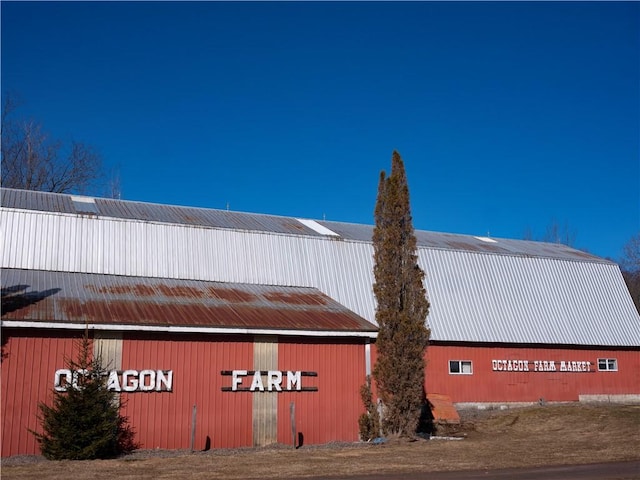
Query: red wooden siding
28	368
486	385
331	413
163	419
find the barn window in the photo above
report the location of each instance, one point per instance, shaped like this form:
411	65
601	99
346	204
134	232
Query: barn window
608	364
461	367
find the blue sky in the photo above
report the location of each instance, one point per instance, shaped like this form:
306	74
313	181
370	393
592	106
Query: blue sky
508	116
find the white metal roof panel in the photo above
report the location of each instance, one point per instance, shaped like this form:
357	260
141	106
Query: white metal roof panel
212	218
511	292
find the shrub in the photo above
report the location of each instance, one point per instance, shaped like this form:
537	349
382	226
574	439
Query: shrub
369	422
84	422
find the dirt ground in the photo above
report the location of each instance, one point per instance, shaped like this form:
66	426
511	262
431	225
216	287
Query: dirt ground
524	437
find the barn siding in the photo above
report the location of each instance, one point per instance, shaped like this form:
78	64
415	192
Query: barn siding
332	412
30	360
163	420
227	419
486	385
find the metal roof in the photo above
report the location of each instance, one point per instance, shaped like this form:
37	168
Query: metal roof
204	217
80	298
150	212
481	290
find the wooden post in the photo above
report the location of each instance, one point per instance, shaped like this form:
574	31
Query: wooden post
292	411
193	427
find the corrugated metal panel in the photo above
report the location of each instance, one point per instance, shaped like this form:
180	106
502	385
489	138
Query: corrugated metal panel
469	243
170	251
486	298
331	413
27	378
108	299
203	217
163	419
487	385
149	212
32	200
523	295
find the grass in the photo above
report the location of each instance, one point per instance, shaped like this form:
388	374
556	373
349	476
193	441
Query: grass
526	437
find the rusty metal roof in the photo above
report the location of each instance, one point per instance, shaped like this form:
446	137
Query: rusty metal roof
81	298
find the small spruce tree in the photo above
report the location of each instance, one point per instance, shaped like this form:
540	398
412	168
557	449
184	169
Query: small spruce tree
84	422
402	306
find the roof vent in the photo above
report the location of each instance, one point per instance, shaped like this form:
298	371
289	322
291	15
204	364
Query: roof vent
486	239
313	225
84	205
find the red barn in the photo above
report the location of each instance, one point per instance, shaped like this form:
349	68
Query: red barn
213	324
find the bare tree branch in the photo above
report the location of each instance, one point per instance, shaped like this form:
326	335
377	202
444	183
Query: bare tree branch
33	161
630	266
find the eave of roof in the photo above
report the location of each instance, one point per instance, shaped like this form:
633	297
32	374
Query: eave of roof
47	299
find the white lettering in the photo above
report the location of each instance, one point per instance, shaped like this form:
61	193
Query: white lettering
540	366
274	380
75	376
62	374
113	383
130	386
293	378
236	379
127	381
257	383
149	385
166	380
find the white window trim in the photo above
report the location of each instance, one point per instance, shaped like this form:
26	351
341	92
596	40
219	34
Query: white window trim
460	362
606	359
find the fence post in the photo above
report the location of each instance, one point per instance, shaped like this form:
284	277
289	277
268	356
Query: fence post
292	410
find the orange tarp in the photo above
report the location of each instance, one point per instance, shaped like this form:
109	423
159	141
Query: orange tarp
442	408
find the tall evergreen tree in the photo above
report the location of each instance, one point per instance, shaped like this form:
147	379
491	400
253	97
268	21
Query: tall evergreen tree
402	306
84	422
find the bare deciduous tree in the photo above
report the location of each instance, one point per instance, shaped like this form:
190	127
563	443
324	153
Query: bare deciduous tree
630	265
557	233
31	160
554	233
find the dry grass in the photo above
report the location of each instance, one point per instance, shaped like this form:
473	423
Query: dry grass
550	435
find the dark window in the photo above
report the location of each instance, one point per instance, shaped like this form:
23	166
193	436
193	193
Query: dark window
608	364
462	367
